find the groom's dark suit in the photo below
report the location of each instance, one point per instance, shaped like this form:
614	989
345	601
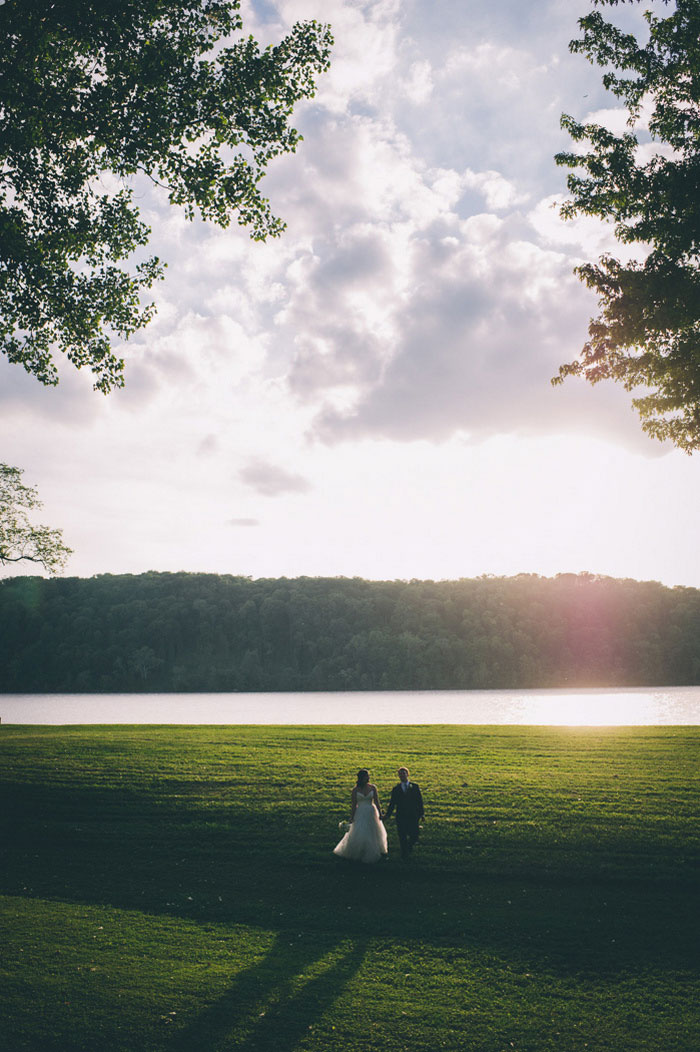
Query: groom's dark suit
408	804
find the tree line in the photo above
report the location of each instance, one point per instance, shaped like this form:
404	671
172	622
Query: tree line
209	632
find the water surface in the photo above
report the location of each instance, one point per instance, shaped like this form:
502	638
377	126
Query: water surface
633	706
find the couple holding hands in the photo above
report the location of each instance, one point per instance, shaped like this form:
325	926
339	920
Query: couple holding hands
366	839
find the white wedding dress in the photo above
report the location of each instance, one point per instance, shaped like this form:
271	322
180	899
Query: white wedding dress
365	841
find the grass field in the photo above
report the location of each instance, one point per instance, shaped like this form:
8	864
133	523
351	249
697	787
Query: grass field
173	888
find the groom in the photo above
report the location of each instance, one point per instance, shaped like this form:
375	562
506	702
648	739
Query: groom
408	802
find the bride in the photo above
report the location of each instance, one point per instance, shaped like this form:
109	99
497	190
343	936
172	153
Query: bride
365	840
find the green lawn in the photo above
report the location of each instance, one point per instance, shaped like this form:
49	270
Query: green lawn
173	888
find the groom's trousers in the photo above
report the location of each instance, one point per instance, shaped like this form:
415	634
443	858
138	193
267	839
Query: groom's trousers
408	835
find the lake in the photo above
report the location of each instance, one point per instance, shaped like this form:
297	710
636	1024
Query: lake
627	706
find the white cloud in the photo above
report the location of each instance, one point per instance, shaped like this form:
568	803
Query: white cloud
499	193
418	85
380	373
615	119
270	480
585	236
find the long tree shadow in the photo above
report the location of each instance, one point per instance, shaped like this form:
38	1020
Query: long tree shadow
274	1003
115	847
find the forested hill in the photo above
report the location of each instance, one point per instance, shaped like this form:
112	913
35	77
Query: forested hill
205	632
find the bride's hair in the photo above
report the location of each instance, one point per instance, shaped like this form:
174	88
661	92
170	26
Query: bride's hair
362	777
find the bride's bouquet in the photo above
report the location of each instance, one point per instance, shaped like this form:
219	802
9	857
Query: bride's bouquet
343	827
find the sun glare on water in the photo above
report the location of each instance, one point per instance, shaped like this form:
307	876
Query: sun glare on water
599	709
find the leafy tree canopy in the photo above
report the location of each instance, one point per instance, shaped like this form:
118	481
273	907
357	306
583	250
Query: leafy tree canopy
647	333
168	88
19	539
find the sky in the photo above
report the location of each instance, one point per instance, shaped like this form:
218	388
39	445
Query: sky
369	395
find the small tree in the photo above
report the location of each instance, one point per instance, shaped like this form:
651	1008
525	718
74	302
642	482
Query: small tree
19	539
144	661
647	333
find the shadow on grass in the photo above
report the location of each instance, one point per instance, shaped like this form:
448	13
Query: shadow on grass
119	849
276	1002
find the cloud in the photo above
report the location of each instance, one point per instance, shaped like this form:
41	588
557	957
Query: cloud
376	368
272	481
208	446
614	118
416	292
498	193
382	293
418	85
72	402
489	319
474	347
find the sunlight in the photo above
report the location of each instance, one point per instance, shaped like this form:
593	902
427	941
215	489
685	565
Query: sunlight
589	709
